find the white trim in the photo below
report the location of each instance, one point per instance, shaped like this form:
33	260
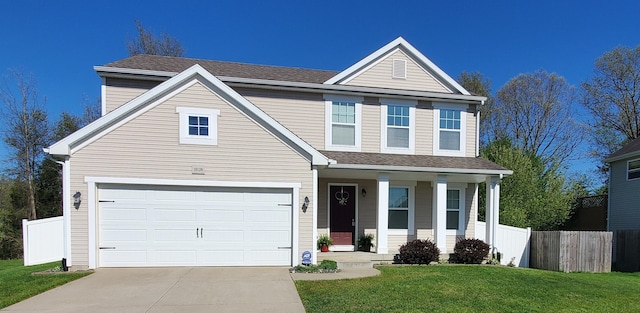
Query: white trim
103	96
384	103
412	51
477	132
382	214
436	129
440	212
314	223
92	209
627	170
295	228
418	169
149	99
411	229
462	206
328	109
357	196
211	114
178	182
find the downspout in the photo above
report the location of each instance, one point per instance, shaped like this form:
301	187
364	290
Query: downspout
478	130
66	210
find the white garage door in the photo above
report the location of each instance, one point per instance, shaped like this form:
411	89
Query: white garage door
192	226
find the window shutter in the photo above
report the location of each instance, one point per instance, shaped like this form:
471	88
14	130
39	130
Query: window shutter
399	68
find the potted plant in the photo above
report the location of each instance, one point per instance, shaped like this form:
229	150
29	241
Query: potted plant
324	242
365	242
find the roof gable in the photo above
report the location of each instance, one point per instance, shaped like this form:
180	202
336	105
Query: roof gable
168	89
431	73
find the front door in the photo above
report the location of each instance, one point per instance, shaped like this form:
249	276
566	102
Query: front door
342	205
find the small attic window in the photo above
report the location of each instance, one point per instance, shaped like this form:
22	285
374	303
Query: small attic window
399	68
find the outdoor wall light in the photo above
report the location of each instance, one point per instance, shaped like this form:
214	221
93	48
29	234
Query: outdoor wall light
305	205
364	193
77	199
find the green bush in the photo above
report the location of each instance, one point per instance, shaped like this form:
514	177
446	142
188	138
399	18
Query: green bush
418	252
328	265
469	251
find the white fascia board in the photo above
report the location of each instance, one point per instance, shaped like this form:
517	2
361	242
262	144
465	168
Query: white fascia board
386	49
187	183
123	112
419	169
109	71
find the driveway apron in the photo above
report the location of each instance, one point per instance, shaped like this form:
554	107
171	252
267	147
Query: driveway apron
180	289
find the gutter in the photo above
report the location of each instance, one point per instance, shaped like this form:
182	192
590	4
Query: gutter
502	173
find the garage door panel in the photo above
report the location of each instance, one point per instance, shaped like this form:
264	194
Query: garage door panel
191	226
174	214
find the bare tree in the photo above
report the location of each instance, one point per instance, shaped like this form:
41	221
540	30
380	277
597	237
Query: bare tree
479	85
534	111
612	96
147	43
26	130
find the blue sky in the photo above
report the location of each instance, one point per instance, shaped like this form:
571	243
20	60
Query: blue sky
59	42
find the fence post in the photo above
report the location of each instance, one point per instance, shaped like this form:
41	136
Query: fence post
25	242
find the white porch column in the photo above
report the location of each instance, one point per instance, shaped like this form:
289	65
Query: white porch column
314	207
492	213
382	242
440	213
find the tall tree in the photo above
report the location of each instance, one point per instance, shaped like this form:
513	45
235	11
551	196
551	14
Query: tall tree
534	196
26	130
612	96
147	43
535	112
479	85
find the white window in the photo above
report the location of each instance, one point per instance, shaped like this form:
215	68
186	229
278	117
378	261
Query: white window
398	126
198	126
343	116
449	136
455	211
401	210
633	169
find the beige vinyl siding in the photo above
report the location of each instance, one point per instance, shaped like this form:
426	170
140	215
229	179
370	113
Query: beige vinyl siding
471	211
148	147
470	148
302	113
120	91
380	75
371	131
424	129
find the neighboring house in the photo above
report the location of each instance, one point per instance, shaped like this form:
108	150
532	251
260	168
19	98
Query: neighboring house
624	186
198	162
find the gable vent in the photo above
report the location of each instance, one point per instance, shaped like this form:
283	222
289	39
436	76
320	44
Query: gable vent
399	68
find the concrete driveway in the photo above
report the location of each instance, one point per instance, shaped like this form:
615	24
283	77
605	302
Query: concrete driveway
181	289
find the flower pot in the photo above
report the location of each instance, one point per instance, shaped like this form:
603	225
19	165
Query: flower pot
324	248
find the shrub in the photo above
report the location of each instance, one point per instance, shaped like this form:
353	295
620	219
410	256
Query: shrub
328	265
469	251
419	252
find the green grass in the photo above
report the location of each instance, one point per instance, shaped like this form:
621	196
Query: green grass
17	283
474	289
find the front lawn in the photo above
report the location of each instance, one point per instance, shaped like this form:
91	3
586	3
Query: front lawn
17	283
463	288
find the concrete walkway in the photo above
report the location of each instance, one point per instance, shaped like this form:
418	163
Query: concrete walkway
180	289
346	273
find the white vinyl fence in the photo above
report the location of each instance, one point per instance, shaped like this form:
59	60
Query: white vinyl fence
511	242
43	240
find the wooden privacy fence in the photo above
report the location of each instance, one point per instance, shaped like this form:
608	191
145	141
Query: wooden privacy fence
42	240
571	251
628	250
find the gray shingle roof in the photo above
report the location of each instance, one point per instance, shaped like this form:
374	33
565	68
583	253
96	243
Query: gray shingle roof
221	68
426	161
629	148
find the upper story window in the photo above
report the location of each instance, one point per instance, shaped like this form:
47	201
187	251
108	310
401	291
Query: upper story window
198	126
343	116
449	131
398	126
633	169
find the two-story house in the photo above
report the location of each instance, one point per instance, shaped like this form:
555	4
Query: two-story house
200	162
